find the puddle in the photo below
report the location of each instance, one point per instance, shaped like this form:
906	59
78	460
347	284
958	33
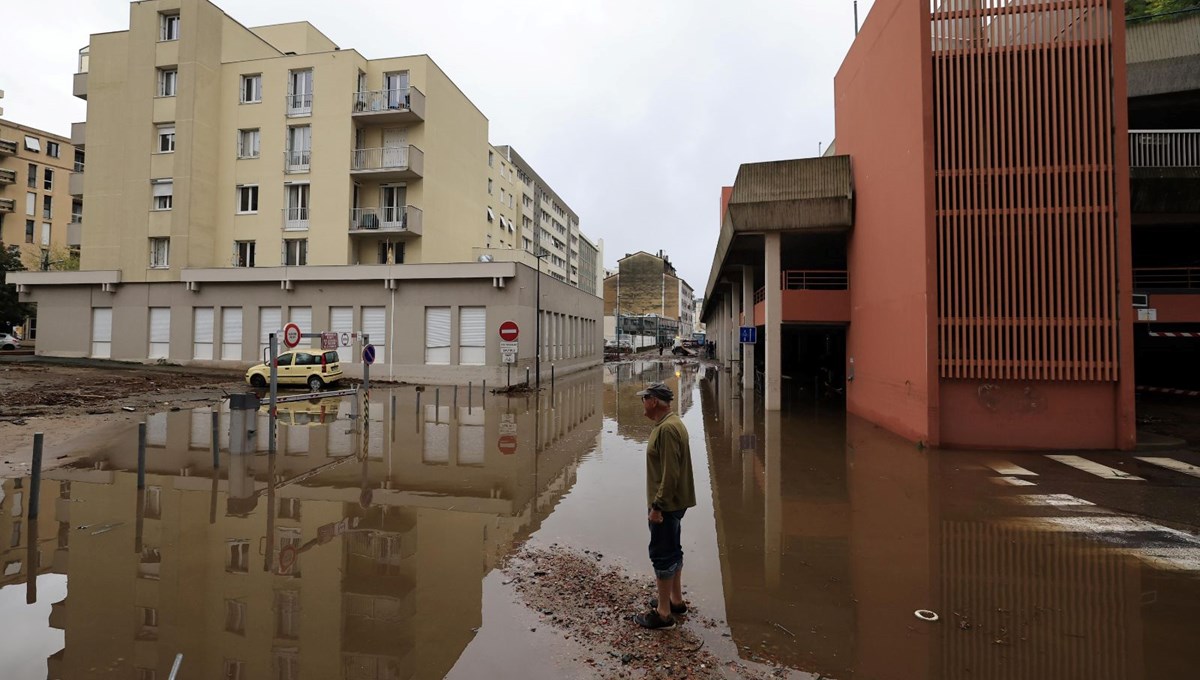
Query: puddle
815	538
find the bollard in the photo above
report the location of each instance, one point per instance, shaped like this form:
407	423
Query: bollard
437	402
527	376
393	407
551	376
456	397
175	666
470	385
35	477
141	478
216	444
418	409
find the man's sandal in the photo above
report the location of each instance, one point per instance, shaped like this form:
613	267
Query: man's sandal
653	621
680	608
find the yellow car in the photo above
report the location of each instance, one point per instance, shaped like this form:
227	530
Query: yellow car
310	367
318	411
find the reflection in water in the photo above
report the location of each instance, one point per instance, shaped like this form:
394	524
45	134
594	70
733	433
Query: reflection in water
320	562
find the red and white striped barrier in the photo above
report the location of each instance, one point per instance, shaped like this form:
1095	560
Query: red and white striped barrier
1173	334
1169	390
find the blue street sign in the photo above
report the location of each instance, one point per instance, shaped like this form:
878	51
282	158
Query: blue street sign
749	335
369	354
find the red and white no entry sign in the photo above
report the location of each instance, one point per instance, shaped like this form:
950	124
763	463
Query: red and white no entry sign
507	444
509	331
291	335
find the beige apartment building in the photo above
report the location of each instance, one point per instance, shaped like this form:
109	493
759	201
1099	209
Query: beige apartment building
646	302
240	178
41	196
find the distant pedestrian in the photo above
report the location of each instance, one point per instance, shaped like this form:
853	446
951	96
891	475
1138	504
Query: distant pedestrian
670	491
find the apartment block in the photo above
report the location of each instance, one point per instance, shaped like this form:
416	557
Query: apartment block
646	302
41	194
269	167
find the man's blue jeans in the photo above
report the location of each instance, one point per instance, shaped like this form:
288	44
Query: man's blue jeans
666	549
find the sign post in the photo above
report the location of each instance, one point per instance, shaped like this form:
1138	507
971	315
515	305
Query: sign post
509	330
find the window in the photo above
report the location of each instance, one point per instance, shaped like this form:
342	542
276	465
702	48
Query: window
299	148
168	82
148	620
391	252
162	190
437	335
491	215
150	564
374	324
52	149
168	27
287	614
202	335
231	333
152	504
30	227
16	534
47	179
233	669
489	185
252	88
31	181
47	207
237	557
243	254
45	240
166	138
300	92
31	204
160	251
160	333
235	617
296	210
247	198
295	252
472	336
248	143
76	210
78	160
289	508
33	144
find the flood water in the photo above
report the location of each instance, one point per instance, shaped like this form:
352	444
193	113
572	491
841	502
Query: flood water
376	556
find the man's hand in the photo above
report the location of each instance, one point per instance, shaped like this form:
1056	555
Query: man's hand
655	516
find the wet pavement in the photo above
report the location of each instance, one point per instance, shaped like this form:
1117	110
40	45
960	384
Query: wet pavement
391	554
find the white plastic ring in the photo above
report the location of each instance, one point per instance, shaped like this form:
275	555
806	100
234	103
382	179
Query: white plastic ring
926	615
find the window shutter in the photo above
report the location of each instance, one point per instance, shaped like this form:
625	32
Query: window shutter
341	320
472	336
231	333
160	332
437	335
302	317
202	333
374	324
102	332
163	188
270	320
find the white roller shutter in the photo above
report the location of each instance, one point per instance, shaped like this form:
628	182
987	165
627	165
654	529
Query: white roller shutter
102	332
437	335
231	333
270	320
156	429
436	449
472	336
160	333
341	320
374	324
201	434
471	423
302	317
297	440
202	333
375	441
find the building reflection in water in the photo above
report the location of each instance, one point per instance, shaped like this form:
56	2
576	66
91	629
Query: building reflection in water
834	532
350	555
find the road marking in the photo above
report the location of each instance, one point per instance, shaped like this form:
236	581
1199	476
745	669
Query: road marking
1015	481
1056	499
1172	464
1102	471
1005	468
1104	525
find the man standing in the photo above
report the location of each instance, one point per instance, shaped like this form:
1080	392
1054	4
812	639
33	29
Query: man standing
670	491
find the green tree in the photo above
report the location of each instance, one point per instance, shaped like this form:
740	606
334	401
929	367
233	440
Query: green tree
11	308
54	258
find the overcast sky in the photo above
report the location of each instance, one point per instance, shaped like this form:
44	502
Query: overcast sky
635	111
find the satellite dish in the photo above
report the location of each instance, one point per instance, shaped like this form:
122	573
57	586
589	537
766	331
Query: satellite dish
485	258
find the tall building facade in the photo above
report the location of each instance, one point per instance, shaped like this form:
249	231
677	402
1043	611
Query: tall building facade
41	199
646	302
308	183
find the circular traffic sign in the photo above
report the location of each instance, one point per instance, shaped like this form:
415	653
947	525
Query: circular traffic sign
507	444
291	335
369	354
287	558
509	331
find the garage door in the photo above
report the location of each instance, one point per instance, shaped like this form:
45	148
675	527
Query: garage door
341	320
160	332
102	332
374	324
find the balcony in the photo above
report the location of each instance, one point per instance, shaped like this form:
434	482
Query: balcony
297	161
403	106
8	176
1167	278
79	86
1164	148
391	220
295	219
8	147
75	232
75	184
7	205
299	104
392	162
810	296
78	134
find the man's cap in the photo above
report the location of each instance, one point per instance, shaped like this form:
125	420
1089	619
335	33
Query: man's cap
658	391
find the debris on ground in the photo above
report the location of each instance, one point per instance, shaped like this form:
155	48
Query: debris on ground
594	605
31	391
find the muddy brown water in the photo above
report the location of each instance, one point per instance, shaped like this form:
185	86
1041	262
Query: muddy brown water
380	555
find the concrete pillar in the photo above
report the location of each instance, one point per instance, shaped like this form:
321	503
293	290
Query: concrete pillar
772	324
735	353
772	498
748	350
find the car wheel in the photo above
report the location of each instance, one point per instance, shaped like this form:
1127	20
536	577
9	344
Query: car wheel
315	383
258	381
9	347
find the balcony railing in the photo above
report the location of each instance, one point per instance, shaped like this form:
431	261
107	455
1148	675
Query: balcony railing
295	219
809	279
297	161
390	105
1164	148
7	205
402	218
8	147
8	176
299	104
1187	278
400	160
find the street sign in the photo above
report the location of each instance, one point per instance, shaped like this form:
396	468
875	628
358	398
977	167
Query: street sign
749	335
509	331
508	424
329	340
507	444
345	339
287	558
508	350
291	335
368	354
1147	314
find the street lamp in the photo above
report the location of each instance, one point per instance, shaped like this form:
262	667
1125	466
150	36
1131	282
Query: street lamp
537	324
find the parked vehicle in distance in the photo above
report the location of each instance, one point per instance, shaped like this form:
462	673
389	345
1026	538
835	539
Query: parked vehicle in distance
318	411
310	367
9	341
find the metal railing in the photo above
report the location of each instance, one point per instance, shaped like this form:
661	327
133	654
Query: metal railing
808	279
7	146
8	176
1164	148
370	101
299	104
392	217
1167	277
295	219
7	205
297	161
385	158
